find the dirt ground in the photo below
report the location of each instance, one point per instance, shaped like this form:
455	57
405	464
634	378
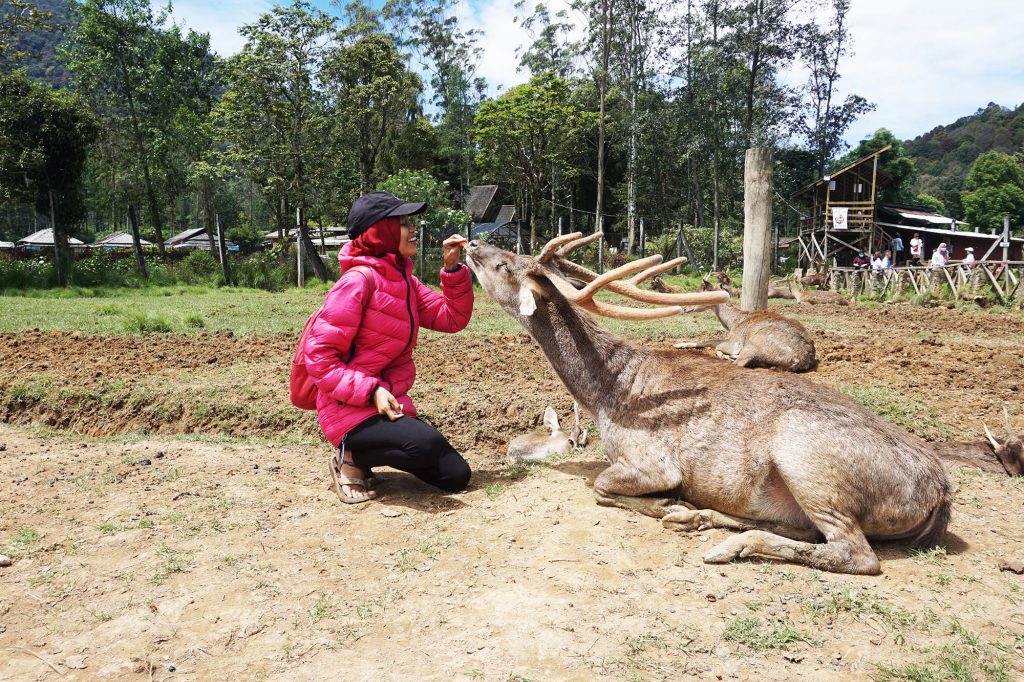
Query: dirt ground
168	518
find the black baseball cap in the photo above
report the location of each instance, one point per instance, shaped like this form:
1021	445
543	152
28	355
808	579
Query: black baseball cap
372	206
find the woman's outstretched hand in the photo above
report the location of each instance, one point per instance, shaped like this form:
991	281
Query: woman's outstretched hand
453	247
387	404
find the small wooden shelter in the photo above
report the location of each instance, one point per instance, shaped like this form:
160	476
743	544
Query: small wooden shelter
117	240
838	212
43	239
196	238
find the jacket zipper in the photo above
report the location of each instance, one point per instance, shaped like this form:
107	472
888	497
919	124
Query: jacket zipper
408	307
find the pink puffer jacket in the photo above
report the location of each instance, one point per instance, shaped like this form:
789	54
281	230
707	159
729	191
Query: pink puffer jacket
349	352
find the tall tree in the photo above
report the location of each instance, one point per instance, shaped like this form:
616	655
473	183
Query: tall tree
278	72
374	95
600	17
822	49
44	140
451	55
764	46
111	53
528	133
550	49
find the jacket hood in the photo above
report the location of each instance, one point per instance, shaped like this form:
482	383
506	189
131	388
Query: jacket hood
383	264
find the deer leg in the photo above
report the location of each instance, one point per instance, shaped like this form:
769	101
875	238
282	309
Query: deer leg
844	551
689	520
655	507
697	344
623	485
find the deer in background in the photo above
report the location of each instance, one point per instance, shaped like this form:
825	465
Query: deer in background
989	455
815	296
724	283
783	459
761	339
534	447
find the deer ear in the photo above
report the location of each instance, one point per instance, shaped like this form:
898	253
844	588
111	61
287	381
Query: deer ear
527	303
550	418
530	291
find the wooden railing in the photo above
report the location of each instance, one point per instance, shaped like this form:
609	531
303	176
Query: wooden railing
964	282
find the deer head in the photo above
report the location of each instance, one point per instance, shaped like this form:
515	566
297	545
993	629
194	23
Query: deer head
1011	451
520	283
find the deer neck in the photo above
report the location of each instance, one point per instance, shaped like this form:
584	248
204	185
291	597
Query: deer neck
728	315
596	366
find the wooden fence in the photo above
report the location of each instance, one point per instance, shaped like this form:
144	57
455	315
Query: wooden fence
1002	279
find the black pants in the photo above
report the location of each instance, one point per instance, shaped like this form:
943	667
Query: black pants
409	445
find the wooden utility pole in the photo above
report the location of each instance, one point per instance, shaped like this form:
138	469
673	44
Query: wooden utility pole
133	225
1006	254
223	248
757	218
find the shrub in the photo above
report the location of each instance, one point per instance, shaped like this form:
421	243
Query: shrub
28	274
144	322
195	321
199	267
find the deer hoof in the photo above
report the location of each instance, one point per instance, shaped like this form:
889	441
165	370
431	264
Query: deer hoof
686	520
733	548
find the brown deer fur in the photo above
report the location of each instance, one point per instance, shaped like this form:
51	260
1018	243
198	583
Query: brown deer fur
762	339
786	460
816	296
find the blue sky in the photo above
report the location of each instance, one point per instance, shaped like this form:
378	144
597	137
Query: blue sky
922	62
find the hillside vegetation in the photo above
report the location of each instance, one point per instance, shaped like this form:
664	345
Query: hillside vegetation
945	154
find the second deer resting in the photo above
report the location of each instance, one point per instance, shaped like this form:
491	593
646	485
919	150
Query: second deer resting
760	339
806	473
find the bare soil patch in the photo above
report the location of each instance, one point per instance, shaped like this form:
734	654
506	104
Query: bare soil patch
135	555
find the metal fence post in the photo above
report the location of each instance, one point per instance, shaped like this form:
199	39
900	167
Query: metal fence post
643	240
420	246
301	277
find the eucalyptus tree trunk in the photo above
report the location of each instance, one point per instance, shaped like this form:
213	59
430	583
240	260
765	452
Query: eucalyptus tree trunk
133	225
607	13
60	242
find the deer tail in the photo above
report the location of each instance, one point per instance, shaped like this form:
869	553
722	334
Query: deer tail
934	529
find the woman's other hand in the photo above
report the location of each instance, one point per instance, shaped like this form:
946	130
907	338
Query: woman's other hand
387	404
453	247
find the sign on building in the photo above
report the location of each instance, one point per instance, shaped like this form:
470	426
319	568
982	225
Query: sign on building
839	215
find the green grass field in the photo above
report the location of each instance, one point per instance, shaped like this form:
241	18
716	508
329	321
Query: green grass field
191	310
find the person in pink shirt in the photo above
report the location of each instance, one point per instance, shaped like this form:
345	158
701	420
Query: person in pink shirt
359	351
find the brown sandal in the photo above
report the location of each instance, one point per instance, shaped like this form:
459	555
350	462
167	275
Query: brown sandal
339	479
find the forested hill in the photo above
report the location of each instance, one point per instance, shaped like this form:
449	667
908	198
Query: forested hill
944	155
42	63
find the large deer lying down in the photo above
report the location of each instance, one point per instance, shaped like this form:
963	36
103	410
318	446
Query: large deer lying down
805	472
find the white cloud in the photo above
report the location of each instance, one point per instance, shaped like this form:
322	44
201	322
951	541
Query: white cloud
220	19
926	63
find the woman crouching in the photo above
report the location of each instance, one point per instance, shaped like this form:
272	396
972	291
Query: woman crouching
359	351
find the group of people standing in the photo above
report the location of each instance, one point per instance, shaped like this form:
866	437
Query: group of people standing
883	261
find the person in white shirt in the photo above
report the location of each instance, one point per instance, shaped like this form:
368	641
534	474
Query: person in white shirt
916	249
940	257
877	265
969	257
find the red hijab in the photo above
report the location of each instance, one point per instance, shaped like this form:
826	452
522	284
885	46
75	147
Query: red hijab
379	239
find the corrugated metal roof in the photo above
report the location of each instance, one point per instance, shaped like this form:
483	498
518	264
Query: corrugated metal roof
119	239
45	238
479	200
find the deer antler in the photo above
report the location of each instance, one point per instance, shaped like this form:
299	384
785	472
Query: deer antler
560	247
